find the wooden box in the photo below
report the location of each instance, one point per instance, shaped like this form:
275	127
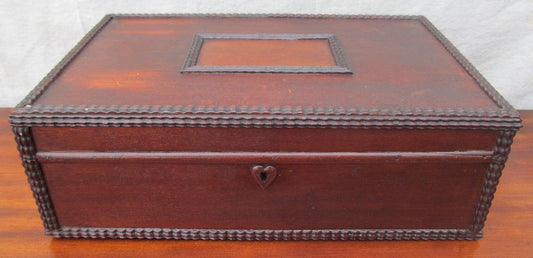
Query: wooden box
264	127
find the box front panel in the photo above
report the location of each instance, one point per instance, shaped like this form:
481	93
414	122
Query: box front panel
304	195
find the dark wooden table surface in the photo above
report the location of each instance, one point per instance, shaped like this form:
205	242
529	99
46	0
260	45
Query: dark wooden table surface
508	232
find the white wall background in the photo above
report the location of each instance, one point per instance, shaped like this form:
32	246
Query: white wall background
496	36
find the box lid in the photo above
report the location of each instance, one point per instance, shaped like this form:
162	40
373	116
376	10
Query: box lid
265	70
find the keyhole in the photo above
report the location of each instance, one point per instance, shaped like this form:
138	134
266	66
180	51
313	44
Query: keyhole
263	176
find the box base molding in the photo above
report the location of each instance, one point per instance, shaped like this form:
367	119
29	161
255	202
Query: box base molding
265	234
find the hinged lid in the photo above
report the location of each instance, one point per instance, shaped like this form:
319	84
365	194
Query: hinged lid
265	71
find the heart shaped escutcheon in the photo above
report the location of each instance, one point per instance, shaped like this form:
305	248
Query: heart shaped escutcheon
264	176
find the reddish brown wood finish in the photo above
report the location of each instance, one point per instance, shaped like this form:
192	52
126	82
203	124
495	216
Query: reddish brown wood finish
258	139
508	232
266	52
428	134
225	196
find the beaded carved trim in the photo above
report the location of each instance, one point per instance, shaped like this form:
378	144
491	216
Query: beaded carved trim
32	168
334	45
233	234
245	116
476	75
500	154
54	73
268	121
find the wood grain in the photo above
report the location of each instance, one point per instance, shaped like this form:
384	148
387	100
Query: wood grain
258	139
140	194
508	232
266	52
143	57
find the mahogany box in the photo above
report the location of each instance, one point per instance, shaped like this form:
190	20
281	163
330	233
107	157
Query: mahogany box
264	127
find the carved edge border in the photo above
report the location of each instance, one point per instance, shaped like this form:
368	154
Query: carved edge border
262	110
25	106
36	179
190	65
501	151
267	121
246	116
267	235
469	68
54	73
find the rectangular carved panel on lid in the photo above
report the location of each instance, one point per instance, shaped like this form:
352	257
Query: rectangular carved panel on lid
266	53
